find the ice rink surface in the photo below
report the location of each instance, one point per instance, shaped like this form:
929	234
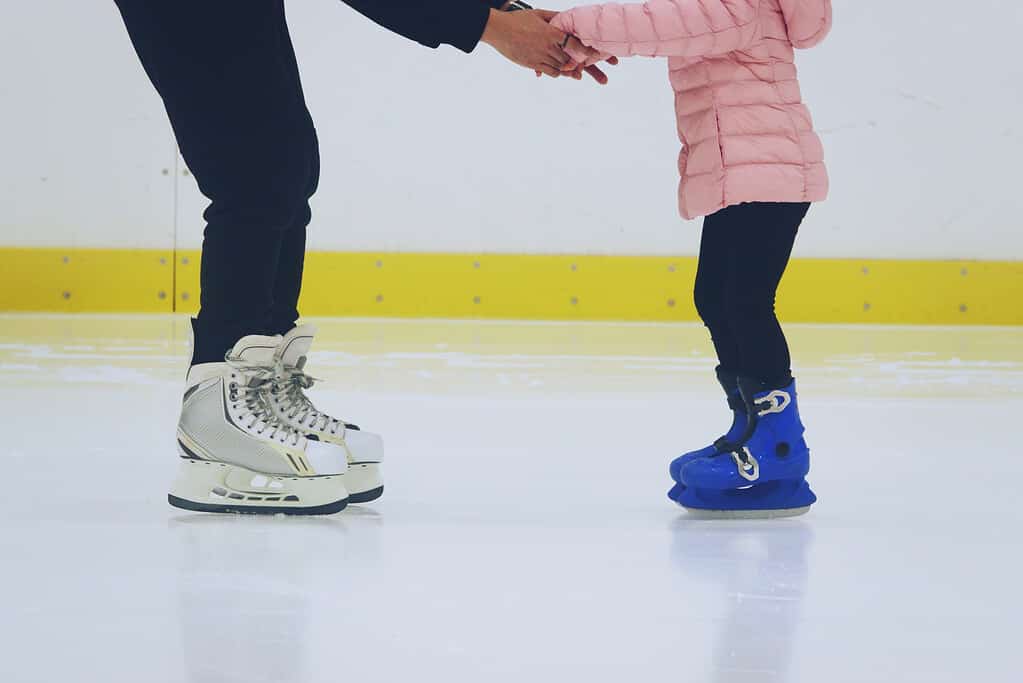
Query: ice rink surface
524	534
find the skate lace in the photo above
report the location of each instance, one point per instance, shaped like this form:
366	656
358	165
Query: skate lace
290	385
252	395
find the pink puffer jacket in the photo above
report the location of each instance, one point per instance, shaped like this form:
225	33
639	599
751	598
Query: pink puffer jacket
746	135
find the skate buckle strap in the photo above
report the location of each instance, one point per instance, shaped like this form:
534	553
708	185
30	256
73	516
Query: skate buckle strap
746	464
775	402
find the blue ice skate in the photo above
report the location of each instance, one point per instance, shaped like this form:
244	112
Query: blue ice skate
730	384
760	474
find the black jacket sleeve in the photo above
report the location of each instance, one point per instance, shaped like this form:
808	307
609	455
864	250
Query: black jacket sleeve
431	22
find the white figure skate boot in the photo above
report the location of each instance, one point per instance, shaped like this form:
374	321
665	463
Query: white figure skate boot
237	456
365	450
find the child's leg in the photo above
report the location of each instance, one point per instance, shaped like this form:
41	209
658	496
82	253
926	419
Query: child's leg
762	472
760	237
713	273
712	276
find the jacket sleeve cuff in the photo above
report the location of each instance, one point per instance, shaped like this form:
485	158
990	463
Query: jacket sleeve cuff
462	23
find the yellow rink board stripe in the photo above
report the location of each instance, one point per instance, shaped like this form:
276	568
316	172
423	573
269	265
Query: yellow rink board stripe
521	286
94	280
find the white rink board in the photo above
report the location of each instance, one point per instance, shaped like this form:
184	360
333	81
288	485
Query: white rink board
919	107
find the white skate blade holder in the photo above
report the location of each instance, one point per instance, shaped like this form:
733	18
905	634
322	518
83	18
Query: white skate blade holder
210	486
699	513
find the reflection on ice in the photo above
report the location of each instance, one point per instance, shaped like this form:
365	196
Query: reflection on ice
760	570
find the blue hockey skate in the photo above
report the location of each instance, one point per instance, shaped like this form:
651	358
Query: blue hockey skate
730	383
760	474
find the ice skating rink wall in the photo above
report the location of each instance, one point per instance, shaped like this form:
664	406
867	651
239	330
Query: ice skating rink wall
458	185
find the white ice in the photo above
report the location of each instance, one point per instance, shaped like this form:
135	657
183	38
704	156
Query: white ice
524	534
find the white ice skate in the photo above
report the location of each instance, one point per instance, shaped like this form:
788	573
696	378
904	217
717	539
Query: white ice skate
237	456
365	450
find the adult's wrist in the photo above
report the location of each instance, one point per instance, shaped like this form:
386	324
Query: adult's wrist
494	28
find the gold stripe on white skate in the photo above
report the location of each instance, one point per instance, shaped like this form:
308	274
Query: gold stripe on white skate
293	461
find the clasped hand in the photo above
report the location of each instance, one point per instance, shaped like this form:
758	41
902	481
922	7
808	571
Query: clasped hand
527	38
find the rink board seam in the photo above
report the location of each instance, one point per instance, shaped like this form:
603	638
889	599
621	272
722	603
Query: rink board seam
521	286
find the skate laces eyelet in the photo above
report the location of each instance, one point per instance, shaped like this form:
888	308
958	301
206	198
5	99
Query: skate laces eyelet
746	464
775	402
255	395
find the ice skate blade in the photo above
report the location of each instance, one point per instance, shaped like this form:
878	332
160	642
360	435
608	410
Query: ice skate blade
327	509
366	496
698	513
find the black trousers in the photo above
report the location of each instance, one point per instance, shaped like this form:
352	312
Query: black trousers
744	251
227	74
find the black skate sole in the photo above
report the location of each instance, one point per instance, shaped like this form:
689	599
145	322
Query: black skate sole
366	496
327	509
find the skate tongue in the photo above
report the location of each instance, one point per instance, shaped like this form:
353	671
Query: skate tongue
295	346
256	349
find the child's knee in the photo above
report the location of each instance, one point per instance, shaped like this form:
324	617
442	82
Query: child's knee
749	306
710	303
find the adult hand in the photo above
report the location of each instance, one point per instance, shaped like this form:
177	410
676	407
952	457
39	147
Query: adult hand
527	39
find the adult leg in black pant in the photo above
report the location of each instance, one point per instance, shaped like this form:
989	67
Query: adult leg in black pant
288	283
290	266
291	262
228	78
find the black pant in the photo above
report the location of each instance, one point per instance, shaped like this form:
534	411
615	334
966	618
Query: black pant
743	254
229	80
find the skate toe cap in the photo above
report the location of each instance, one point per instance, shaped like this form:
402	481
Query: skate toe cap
676	466
365	447
713	471
326	457
676	492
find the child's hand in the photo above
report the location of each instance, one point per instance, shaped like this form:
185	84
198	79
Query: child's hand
583	58
592	69
575	70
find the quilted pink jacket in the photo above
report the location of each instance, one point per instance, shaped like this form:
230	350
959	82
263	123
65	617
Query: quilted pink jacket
746	135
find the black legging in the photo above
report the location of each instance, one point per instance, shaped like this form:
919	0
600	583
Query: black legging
743	254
